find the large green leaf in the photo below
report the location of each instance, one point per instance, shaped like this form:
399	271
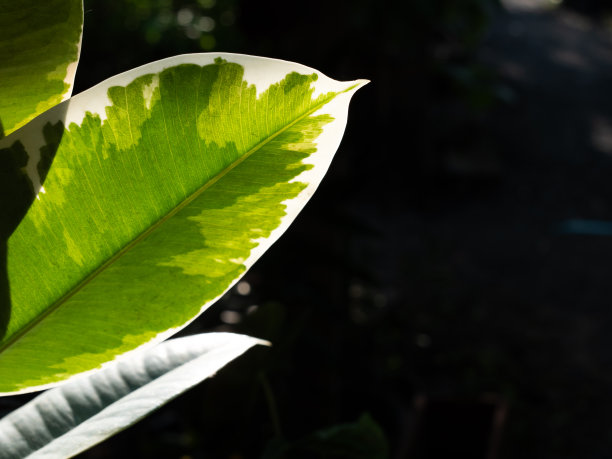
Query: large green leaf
39	51
162	186
64	421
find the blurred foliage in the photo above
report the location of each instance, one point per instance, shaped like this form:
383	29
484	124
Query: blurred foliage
362	439
124	34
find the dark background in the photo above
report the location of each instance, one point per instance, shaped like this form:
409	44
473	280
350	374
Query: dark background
447	291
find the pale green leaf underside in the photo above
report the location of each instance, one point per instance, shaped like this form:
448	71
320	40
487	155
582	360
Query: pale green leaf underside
39	51
66	420
156	203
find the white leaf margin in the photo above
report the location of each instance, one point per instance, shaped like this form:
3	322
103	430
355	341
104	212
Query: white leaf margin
259	71
69	419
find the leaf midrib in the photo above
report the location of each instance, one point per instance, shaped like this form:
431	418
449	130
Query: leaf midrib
82	284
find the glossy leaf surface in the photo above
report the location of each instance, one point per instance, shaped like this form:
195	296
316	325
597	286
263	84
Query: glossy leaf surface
162	186
66	420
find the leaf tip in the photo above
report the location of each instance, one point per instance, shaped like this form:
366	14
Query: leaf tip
263	342
355	85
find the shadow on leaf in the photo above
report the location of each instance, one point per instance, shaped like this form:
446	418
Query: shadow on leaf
16	196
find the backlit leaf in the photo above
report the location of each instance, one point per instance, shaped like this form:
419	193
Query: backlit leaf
39	52
162	186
